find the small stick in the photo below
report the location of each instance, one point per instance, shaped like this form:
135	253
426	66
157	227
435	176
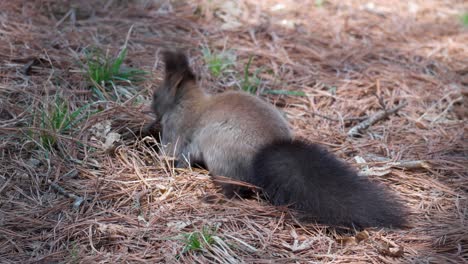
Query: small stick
386	169
78	199
411	164
69	13
337	119
361	127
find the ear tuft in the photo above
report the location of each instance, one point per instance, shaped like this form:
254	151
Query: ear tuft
177	64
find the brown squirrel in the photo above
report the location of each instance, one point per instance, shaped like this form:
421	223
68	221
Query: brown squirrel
240	136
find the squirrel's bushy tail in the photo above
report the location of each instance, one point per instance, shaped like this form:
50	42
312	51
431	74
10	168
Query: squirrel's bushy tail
322	188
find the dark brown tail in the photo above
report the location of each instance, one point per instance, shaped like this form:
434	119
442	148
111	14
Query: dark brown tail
323	188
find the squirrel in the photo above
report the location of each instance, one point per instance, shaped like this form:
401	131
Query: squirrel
240	136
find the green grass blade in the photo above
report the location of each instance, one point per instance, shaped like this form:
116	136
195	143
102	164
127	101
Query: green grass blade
246	70
119	61
464	19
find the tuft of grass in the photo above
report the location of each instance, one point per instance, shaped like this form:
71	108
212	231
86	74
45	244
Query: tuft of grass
58	119
74	253
102	69
199	240
319	3
218	63
464	19
332	89
250	83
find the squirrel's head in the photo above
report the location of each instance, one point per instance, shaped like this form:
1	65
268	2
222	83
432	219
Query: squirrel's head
178	80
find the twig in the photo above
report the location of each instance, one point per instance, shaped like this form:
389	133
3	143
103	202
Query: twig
78	199
411	164
71	14
361	127
338	119
386	169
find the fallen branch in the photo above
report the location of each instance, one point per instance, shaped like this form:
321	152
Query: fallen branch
78	199
364	125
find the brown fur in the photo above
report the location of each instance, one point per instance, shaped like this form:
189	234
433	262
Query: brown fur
227	128
240	136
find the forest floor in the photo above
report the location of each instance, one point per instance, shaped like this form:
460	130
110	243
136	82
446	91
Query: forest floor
78	184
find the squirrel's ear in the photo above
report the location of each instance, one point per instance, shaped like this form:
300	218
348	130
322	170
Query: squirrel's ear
177	68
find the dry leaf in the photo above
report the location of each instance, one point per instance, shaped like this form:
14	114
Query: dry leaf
102	133
296	246
347	241
361	236
179	225
111	138
229	12
391	251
